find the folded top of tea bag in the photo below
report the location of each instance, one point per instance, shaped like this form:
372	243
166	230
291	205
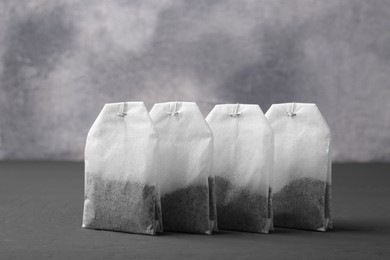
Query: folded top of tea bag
243	144
186	143
125	137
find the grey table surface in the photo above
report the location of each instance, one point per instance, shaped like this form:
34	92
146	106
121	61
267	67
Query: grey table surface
41	210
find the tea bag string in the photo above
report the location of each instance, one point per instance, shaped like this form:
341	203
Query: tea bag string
123	110
174	112
235	112
291	113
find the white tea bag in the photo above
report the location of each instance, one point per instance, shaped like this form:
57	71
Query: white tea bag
186	149
302	170
121	191
243	165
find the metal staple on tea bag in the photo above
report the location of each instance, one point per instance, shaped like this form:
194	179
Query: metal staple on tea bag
235	112
122	110
174	112
291	113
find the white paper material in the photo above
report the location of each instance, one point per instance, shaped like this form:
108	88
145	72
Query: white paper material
121	156
302	157
186	149
243	158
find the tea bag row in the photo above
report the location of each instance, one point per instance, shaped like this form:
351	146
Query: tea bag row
133	159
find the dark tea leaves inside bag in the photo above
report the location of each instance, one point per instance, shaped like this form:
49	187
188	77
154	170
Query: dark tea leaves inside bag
187	210
245	210
123	206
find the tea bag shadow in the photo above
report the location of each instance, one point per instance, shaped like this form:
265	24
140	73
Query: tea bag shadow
119	232
355	227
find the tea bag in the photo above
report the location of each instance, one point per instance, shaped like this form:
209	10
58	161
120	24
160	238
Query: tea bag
121	188
243	165
186	181
302	170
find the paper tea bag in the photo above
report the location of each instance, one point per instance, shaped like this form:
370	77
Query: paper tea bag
243	165
186	181
121	191
302	170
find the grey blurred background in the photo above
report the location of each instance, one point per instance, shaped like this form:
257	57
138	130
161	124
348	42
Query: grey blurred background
60	61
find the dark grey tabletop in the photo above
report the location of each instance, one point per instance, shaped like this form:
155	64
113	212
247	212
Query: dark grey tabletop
41	210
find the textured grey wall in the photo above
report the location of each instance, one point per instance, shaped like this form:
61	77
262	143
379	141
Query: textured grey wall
60	61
